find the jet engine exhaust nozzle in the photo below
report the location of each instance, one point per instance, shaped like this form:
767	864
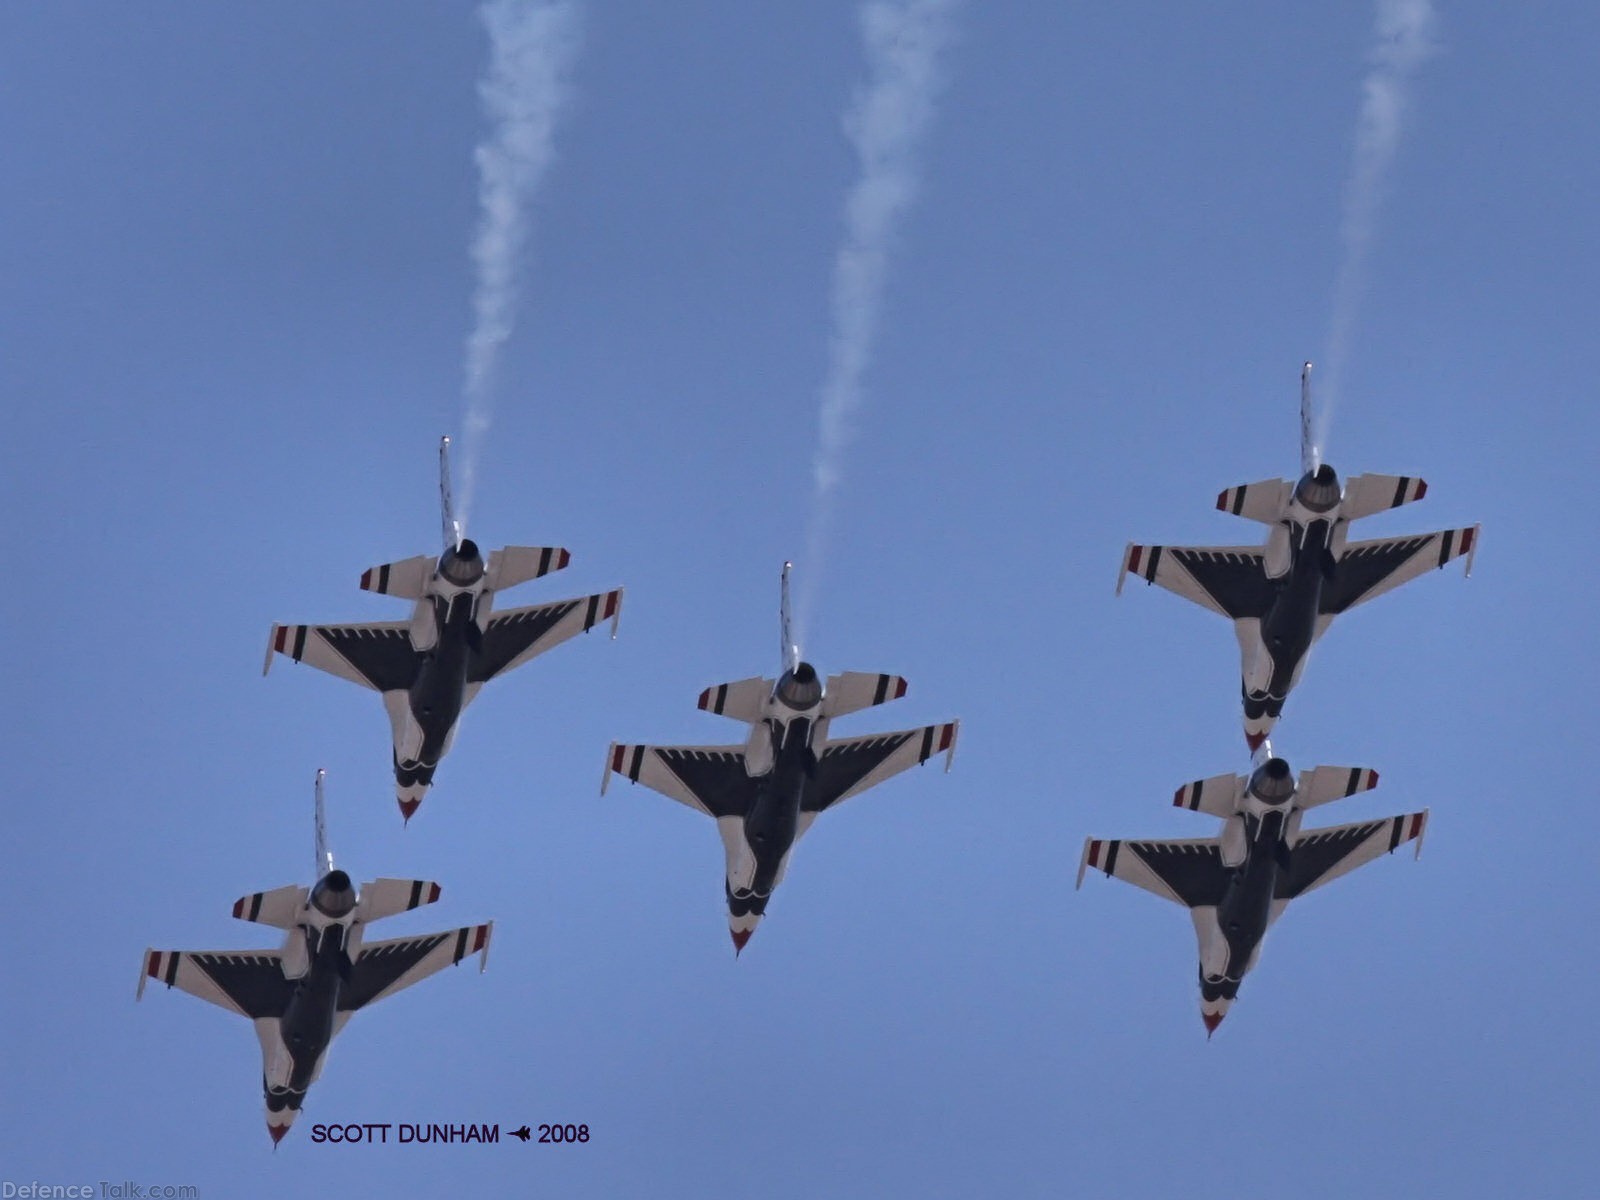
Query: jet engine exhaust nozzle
334	896
1272	782
800	688
462	566
1318	491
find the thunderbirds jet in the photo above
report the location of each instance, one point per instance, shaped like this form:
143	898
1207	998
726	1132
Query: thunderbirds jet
765	793
1238	884
429	668
300	997
1283	597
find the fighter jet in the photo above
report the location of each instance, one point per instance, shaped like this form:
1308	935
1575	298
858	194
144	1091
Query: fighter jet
1282	598
428	669
765	793
300	997
1236	885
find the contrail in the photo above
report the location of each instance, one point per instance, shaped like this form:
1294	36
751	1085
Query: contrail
1403	41
886	123
531	45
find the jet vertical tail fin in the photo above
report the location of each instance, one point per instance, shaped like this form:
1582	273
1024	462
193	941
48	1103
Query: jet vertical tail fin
1310	452
324	855
791	652
451	528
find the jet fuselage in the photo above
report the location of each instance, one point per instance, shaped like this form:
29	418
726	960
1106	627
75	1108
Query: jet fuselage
308	1021
1290	625
773	821
449	615
1246	907
784	738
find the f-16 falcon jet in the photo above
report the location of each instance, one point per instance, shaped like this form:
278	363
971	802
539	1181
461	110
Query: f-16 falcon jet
765	792
1238	884
1282	597
428	669
300	997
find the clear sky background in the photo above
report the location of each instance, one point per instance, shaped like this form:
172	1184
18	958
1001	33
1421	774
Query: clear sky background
235	295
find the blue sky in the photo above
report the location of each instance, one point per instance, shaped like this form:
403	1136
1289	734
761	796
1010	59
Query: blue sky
236	297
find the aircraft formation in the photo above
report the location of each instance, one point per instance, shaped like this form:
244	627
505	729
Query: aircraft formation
1281	597
765	791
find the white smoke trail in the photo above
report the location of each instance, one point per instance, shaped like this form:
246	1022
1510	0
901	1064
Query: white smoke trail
531	45
886	123
1403	41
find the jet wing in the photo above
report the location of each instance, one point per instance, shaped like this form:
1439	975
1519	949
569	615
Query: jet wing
1230	580
1187	872
376	655
384	968
710	779
518	635
1368	569
849	766
248	982
1325	854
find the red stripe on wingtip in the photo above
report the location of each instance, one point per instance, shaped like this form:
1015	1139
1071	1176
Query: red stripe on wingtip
1094	853
153	967
1133	558
366	580
1416	825
238	907
1422	488
946	736
900	689
1466	539
480	939
705	698
433	893
1177	796
616	756
562	559
1372	780
281	637
1222	500
611	602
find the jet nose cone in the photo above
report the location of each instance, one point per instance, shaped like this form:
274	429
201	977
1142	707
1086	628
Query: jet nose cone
277	1132
1212	1020
740	937
1254	740
408	808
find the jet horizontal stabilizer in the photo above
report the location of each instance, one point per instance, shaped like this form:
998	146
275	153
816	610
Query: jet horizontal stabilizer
851	691
408	578
511	565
